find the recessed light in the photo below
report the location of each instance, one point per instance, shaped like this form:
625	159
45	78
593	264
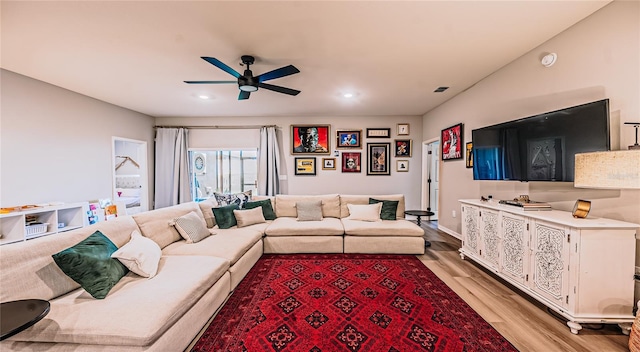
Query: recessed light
205	97
348	95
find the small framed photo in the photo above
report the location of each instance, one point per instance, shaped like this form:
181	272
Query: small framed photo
469	152
328	163
451	142
348	139
310	139
378	158
402	165
403	129
403	147
305	166
351	161
378	132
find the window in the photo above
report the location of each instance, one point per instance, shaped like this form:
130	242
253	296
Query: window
222	171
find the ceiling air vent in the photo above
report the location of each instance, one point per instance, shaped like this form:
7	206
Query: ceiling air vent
440	89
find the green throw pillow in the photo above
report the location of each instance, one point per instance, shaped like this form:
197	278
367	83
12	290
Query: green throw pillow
389	208
224	216
89	263
267	209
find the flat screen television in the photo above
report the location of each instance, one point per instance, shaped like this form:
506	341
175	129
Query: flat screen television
540	147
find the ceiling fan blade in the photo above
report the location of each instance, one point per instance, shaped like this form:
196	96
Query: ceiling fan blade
209	82
279	89
219	64
243	95
277	73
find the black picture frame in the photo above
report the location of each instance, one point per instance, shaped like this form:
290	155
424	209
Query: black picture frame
349	139
378	159
451	142
402	147
378	132
305	166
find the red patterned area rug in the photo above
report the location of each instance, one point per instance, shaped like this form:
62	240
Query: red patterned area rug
347	302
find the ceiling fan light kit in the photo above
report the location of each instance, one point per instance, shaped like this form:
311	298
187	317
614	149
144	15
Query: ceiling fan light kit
247	83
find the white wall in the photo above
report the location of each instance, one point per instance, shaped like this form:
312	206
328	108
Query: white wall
598	58
325	181
55	145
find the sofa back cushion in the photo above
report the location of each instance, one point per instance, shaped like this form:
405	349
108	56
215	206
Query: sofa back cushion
27	269
154	224
364	199
286	204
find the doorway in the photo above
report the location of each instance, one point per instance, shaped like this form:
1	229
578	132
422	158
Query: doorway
130	180
430	175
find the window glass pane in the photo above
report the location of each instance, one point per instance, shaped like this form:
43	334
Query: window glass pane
222	171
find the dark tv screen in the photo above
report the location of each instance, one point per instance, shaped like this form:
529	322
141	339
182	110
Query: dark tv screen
540	147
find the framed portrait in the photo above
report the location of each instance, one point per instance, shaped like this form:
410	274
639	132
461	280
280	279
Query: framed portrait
378	132
402	165
310	139
305	166
348	139
469	153
378	158
351	161
402	147
328	163
451	142
403	129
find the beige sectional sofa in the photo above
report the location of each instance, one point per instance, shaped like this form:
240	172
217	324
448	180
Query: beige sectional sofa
193	280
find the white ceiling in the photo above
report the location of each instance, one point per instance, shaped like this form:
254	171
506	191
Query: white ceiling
392	54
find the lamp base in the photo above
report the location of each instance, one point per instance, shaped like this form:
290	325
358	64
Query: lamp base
635	146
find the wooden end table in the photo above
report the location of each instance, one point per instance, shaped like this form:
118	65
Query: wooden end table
16	316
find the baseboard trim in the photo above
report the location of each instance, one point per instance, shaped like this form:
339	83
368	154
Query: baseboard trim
449	232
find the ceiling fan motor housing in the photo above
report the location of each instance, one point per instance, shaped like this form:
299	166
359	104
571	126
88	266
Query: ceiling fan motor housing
247	82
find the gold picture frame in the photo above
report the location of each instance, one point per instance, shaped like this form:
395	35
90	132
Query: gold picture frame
403	129
328	163
402	165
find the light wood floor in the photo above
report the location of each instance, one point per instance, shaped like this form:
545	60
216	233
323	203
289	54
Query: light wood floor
521	320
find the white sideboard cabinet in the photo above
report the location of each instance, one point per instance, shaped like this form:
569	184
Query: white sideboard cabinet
52	219
583	269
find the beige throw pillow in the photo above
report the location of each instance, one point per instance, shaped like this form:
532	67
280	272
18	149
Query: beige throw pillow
205	207
191	227
309	210
369	212
140	255
249	216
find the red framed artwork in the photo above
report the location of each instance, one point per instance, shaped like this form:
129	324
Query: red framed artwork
351	162
451	141
310	139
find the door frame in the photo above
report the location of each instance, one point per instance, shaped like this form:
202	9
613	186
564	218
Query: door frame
426	164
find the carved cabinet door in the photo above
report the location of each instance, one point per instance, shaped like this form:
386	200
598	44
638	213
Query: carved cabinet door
514	258
490	237
470	230
550	261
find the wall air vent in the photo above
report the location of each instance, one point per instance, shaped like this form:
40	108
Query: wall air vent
440	89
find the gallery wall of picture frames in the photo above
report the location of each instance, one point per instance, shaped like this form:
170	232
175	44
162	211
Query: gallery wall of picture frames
313	139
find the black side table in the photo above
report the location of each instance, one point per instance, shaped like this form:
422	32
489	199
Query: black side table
419	214
16	316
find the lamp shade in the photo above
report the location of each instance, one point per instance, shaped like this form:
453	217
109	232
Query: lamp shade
613	169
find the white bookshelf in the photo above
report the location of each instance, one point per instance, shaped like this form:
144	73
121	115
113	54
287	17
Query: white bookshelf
13	226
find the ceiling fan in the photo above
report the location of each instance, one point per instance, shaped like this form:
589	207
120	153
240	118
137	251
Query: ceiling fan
247	82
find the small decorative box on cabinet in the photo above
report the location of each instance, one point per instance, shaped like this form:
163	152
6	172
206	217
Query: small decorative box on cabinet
581	268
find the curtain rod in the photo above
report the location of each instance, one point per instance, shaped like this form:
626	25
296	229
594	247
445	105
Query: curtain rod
219	127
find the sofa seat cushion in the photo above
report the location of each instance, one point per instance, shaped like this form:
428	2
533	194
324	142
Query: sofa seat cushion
136	312
230	244
288	226
381	228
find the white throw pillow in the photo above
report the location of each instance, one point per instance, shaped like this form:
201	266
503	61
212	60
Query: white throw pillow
141	255
369	212
191	227
249	216
309	210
